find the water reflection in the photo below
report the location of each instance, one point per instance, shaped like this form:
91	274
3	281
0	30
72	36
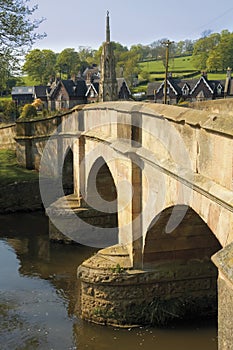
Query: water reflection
38	297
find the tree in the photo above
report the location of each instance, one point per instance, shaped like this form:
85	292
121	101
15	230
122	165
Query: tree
68	62
17	34
202	49
17	30
40	65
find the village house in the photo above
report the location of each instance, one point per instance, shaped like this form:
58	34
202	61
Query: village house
178	90
65	94
93	85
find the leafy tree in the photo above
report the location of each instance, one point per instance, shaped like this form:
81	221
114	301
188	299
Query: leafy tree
40	65
86	56
17	34
202	49
68	62
221	56
17	30
130	65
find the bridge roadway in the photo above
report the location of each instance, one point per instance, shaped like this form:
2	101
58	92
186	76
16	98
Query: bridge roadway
152	185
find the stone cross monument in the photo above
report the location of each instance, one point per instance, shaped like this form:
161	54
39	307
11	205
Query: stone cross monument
108	90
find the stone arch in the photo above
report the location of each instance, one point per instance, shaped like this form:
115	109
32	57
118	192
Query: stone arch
101	190
101	198
182	262
68	172
191	239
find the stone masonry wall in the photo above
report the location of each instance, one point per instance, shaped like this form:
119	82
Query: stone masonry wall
115	295
7	136
24	196
224	106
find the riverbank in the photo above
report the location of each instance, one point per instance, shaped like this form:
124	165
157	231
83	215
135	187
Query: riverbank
19	187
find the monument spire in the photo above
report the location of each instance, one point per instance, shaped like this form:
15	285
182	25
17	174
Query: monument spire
107	28
108	88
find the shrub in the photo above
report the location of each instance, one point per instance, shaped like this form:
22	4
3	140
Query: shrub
9	111
28	111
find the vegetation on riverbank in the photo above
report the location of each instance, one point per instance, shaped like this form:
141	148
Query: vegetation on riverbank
11	172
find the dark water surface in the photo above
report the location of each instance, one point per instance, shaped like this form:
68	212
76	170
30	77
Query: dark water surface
39	292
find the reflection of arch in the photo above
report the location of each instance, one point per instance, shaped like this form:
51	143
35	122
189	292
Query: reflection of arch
68	172
191	239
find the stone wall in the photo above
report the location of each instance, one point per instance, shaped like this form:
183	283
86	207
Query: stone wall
31	138
114	294
224	106
224	262
7	136
24	196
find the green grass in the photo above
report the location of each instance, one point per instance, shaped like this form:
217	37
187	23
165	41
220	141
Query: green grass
179	67
180	64
6	98
216	76
11	172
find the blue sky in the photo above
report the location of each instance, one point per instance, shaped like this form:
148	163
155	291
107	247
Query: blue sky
74	23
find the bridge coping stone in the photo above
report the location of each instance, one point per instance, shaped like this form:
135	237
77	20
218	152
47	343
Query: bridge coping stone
215	122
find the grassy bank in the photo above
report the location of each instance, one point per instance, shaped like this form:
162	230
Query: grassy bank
179	66
11	172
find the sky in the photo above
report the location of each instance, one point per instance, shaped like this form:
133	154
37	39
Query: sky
75	23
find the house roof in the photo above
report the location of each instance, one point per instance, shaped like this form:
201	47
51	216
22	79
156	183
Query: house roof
94	86
94	70
152	87
177	84
74	89
120	82
41	91
23	90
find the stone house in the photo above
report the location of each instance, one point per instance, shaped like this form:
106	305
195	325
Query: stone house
200	89
23	94
65	94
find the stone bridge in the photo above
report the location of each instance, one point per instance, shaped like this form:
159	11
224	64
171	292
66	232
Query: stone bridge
152	185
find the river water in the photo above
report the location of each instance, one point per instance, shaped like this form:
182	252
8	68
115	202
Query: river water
39	294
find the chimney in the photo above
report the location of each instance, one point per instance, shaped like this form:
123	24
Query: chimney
204	74
228	72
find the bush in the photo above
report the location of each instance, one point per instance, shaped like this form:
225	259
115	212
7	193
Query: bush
28	111
9	111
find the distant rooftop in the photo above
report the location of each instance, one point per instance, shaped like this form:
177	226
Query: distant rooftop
23	90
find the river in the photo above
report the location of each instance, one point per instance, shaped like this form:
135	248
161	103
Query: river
39	295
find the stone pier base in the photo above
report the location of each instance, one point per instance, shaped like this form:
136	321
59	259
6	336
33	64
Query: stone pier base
72	221
112	293
224	261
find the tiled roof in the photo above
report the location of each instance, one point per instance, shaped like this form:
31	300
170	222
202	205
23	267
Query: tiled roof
41	91
120	82
23	90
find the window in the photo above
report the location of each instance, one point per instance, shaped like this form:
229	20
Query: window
219	89
185	90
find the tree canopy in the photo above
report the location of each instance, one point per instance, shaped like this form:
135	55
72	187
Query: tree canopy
17	28
17	34
40	65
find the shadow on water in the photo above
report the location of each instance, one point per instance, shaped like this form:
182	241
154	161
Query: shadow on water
39	294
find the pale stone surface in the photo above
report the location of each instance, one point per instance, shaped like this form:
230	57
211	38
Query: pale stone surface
185	157
7	136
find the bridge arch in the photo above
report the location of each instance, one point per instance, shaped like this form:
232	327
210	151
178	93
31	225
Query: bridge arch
182	258
68	171
187	239
101	191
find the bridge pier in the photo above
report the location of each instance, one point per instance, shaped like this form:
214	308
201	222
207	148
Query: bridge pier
113	293
224	261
